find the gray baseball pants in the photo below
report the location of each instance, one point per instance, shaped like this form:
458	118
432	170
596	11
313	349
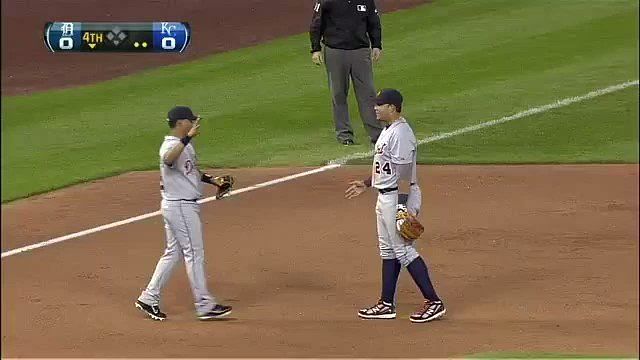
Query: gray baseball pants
184	239
343	66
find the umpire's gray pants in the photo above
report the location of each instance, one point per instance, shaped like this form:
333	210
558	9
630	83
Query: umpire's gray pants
343	65
184	239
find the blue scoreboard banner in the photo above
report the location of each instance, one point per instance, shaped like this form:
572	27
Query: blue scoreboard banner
164	36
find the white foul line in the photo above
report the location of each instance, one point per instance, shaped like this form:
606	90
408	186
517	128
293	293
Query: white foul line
155	213
341	161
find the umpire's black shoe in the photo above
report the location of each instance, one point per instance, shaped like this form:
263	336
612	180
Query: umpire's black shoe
219	311
153	311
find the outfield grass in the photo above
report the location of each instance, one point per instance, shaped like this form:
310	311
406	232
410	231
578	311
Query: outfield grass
457	63
599	130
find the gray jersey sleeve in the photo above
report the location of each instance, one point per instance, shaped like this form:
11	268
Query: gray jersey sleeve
405	171
166	147
402	146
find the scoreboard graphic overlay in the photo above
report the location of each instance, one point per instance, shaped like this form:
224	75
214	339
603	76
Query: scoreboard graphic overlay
166	37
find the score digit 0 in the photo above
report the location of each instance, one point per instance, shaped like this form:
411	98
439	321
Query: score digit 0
168	43
65	43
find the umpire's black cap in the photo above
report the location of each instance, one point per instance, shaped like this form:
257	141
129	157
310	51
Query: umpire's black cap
389	96
181	113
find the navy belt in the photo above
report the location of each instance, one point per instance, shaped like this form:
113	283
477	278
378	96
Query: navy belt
189	200
384	191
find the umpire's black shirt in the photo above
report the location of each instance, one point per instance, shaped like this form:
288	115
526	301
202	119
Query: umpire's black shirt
345	24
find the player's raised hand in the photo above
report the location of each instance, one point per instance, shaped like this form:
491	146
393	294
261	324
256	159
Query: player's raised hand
355	188
195	128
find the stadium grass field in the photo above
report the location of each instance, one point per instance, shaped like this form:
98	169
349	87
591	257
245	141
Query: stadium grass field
457	63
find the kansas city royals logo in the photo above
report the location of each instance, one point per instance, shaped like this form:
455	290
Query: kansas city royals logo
168	28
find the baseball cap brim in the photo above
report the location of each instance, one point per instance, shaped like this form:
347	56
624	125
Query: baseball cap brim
181	113
389	96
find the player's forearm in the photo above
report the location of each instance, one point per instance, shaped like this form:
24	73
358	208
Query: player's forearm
206	178
404	186
367	181
172	155
404	172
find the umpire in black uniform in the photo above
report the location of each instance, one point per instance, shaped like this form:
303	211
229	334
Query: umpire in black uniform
352	35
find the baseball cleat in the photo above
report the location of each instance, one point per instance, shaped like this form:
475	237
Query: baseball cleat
219	311
153	311
381	310
430	310
348	142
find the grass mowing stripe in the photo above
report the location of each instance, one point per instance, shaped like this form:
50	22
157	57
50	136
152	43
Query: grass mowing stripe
516	116
602	130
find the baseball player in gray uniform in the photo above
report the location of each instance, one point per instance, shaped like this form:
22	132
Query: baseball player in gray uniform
394	176
181	187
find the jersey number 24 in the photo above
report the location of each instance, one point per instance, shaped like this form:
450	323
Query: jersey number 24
386	168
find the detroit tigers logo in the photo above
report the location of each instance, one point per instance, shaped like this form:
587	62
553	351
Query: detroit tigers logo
188	167
380	149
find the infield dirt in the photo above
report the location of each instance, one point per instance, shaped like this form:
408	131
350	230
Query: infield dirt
527	258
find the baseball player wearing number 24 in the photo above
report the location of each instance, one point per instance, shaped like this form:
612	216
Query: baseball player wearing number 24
394	176
181	187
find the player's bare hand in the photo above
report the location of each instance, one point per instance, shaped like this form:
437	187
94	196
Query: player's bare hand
376	54
355	188
316	57
195	128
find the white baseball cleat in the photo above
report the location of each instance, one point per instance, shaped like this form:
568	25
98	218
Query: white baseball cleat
428	311
381	310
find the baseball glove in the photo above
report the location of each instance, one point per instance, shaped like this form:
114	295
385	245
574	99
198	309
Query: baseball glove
407	224
224	184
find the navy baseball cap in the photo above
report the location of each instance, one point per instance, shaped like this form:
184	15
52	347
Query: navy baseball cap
389	96
181	113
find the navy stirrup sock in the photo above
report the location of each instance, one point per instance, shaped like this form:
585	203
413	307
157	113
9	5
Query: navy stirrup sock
420	274
390	272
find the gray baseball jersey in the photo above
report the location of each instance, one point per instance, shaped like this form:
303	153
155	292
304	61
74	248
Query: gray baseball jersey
181	180
396	145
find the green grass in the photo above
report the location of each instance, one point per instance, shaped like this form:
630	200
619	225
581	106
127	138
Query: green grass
456	62
534	355
600	130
